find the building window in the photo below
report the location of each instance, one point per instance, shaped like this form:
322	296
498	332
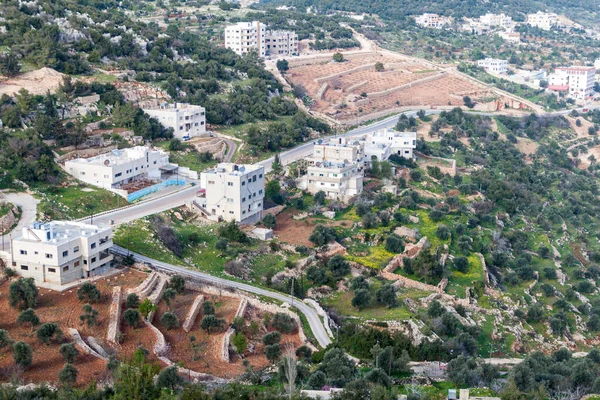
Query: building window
93	246
230	200
211	182
49	256
93	260
24	268
230	212
23	252
118	175
84	262
254	178
65	269
65	253
229	183
76	249
260	175
53	270
244	183
76	264
260	191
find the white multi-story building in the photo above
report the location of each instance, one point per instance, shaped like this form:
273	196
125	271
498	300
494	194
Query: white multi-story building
234	192
543	20
186	120
337	150
577	81
511	37
494	65
282	43
118	167
400	143
432	21
61	252
338	180
493	20
246	37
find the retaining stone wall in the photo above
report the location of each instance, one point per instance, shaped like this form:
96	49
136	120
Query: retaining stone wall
74	333
114	316
193	313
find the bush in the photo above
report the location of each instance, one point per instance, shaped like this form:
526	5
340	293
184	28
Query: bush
208	308
169	320
28	317
4	339
68	375
283	323
177	282
169	378
132	317
338	57
133	301
362	299
394	243
319	197
271	338
210	322
461	264
146	307
239	342
273	352
370	221
269	221
49	331
22	354
443	232
322	235
386	295
232	232
317	381
69	352
338	266
89	292
22	294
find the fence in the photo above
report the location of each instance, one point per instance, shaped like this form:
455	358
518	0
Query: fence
154	188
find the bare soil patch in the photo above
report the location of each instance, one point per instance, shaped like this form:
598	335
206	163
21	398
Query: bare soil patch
35	82
63	309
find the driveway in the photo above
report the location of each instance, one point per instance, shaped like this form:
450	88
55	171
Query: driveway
28	205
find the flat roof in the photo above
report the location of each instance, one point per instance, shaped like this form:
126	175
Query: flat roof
234	169
62	231
117	157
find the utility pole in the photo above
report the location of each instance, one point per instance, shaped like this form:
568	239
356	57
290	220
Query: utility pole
292	291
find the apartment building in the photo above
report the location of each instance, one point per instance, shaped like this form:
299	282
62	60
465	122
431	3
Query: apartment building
400	143
186	120
511	37
339	180
337	150
60	252
543	20
245	37
577	82
494	65
234	192
494	20
432	21
118	167
281	43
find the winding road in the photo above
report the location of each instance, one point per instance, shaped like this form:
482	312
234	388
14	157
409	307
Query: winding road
316	325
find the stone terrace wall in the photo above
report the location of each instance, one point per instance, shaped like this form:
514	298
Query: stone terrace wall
112	335
193	313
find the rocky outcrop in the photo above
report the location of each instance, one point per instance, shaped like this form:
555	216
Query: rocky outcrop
333	249
74	333
193	313
94	344
9	220
112	335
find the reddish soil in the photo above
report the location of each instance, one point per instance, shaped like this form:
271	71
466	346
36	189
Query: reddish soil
64	309
207	356
297	232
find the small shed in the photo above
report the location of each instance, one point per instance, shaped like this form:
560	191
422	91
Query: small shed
262	233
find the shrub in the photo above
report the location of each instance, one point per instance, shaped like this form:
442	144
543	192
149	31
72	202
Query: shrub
283	323
386	295
273	352
146	307
338	266
22	354
208	308
361	299
232	232
338	57
239	342
48	331
68	375
443	232
177	282
28	317
210	322
271	338
4	338
133	301
394	243
169	320
322	235
22	294
89	292
461	264
69	352
132	317
370	221
319	197
269	221
169	378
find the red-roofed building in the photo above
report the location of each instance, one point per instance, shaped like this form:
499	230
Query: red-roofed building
578	81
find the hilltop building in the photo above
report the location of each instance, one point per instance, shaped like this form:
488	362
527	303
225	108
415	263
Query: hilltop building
233	192
61	252
543	20
119	167
432	21
577	82
494	65
339	180
245	37
186	120
400	143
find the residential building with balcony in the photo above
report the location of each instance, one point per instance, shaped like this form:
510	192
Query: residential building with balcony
113	169
338	180
434	21
494	65
400	143
246	37
337	150
577	82
186	120
234	192
281	43
61	252
543	20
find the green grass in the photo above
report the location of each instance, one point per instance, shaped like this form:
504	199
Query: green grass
73	202
187	158
458	281
342	303
137	236
377	258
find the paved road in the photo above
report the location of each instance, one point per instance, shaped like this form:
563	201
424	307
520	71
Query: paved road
314	321
231	147
28	205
